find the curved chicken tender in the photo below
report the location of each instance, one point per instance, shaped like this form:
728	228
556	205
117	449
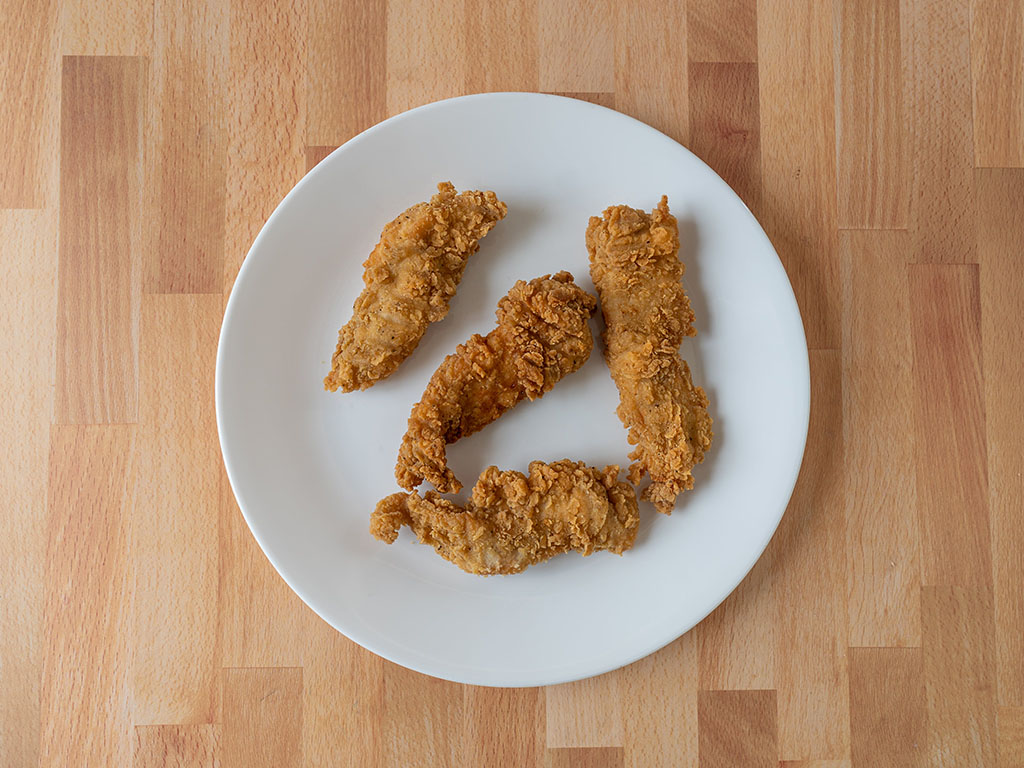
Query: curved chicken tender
543	334
635	266
513	521
410	278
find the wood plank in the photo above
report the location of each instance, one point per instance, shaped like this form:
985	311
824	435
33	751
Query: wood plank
504	726
659	707
315	154
809	549
815	764
725	125
29	103
959	675
873	171
1000	235
587	713
883	539
650	64
187	147
997	74
798	156
426	52
722	30
736	643
422	719
585	757
737	728
175	549
28	299
107	29
177	746
85	702
346	61
1011	737
935	42
262	621
102	108
342	699
577	45
266	79
502	46
952	484
262	718
887	712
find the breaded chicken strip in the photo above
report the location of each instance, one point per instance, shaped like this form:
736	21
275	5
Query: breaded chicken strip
635	266
513	521
542	335
410	277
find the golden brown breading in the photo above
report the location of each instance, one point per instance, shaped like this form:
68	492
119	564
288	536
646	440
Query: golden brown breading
513	521
410	278
542	335
635	266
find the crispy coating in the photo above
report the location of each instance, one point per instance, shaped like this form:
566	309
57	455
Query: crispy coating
635	266
513	521
410	278
542	335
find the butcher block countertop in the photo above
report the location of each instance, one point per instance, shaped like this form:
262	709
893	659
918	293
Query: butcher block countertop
142	145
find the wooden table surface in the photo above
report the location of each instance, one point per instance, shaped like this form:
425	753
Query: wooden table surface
144	142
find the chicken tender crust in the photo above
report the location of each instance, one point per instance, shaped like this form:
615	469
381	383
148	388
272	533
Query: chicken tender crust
635	267
543	334
513	521
410	278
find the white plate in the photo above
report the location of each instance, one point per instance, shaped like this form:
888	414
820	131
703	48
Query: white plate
307	466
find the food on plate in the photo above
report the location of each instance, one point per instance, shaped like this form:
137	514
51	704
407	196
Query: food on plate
410	278
634	262
542	335
513	521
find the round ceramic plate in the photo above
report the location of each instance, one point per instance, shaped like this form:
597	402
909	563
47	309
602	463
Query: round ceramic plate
308	466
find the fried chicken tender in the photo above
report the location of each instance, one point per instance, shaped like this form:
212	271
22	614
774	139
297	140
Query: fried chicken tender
542	335
635	266
513	521
410	278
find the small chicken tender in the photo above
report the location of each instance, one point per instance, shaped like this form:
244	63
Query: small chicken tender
513	521
410	278
635	266
543	334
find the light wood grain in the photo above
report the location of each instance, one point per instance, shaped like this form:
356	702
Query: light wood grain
887	707
86	667
959	675
711	40
177	746
649	63
952	478
666	683
997	73
935	41
29	103
724	128
809	547
883	538
1000	244
175	548
102	110
346	66
586	713
878	141
262	718
27	297
186	146
798	156
737	728
872	171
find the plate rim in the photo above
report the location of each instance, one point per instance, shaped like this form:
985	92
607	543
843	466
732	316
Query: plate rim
534	679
